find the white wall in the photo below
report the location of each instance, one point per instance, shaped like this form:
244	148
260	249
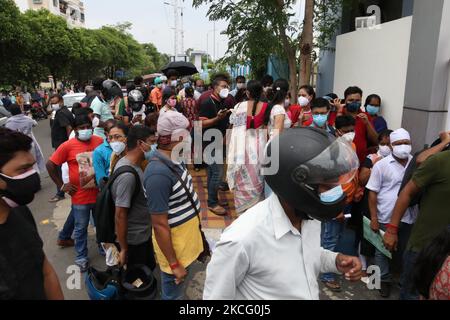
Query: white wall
22	4
376	61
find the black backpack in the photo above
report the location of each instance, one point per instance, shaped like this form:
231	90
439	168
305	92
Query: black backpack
104	213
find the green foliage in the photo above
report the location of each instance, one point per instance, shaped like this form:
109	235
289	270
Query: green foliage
256	28
37	44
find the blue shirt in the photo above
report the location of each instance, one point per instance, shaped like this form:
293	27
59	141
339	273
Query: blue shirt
329	128
102	160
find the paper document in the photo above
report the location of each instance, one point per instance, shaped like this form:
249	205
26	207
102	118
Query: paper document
375	238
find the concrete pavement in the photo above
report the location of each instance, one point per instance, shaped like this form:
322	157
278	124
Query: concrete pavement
51	217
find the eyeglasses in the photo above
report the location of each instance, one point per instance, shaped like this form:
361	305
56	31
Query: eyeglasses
115	137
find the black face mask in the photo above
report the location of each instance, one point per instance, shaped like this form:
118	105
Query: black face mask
21	190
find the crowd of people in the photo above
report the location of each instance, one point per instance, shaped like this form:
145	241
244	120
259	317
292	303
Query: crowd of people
117	154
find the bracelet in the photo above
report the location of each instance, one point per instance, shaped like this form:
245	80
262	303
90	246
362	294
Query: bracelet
62	187
391	226
175	265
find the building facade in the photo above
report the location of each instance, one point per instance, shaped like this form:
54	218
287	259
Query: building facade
71	10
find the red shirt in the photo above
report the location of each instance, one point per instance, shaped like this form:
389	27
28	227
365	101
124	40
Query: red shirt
293	113
361	139
258	120
78	155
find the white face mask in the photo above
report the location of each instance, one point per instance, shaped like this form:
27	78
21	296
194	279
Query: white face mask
349	137
287	103
402	151
224	93
117	147
302	101
384	151
240	86
174	83
56	107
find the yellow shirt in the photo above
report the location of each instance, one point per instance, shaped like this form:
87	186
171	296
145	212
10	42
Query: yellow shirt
187	243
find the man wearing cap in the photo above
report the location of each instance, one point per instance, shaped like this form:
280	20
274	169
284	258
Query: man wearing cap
156	94
173	205
384	185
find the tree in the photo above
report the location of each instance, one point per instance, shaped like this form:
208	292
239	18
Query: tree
51	42
14	43
257	29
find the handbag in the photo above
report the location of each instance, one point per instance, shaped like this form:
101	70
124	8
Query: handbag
206	253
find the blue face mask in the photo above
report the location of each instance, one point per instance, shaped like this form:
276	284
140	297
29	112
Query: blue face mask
150	153
186	85
320	119
85	135
372	110
332	195
353	107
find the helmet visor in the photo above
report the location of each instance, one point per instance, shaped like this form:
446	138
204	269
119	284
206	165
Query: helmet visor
337	164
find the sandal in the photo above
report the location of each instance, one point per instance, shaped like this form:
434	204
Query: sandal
218	210
333	285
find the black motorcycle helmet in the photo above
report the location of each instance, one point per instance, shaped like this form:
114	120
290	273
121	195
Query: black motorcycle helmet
111	89
307	159
139	283
135	100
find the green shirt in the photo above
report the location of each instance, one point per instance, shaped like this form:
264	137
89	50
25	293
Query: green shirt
102	109
433	178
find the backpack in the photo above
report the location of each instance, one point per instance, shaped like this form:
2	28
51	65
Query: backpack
104	213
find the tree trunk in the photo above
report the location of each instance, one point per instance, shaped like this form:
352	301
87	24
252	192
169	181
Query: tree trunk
306	44
290	54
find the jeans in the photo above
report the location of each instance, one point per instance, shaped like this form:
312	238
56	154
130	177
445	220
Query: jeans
81	214
170	290
69	225
331	232
215	176
407	290
59	193
383	262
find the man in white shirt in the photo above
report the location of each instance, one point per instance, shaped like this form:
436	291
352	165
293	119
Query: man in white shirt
384	186
273	250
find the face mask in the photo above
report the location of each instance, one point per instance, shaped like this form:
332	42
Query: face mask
353	107
117	147
159	86
320	119
287	103
154	147
21	189
332	195
240	86
85	135
372	110
174	83
150	153
224	93
402	151
186	85
349	137
55	107
384	151
199	89
302	101
172	103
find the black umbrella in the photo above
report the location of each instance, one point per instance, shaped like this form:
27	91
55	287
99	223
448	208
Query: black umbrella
183	68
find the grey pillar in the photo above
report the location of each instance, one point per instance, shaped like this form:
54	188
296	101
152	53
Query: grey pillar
425	108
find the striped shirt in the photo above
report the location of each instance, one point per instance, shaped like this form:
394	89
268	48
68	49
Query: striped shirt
166	195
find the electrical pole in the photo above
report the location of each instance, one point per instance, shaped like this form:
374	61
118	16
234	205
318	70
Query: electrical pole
182	31
175	13
214	41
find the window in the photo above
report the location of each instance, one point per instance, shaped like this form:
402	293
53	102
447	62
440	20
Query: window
37	1
55	3
82	17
